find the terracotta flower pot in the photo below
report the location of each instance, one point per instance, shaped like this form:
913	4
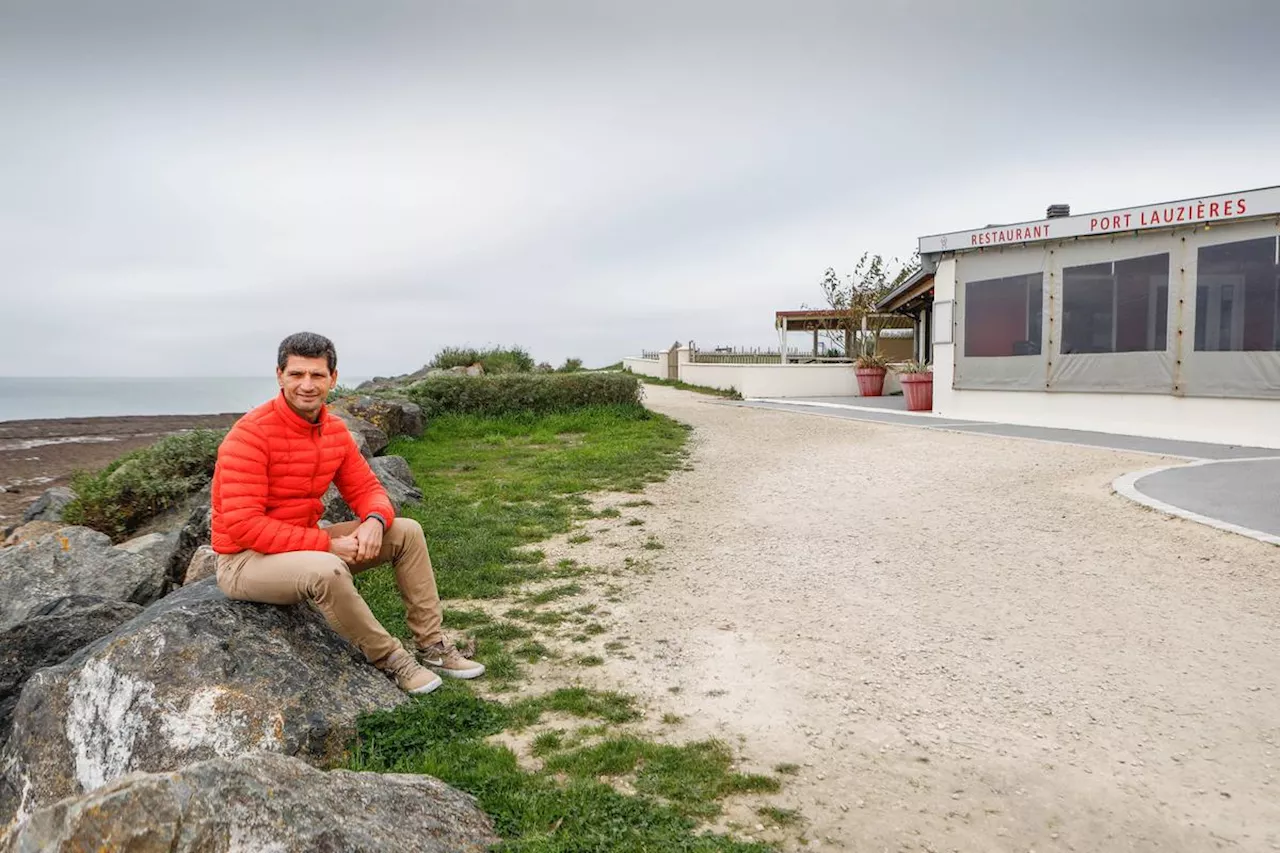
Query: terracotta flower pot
870	381
918	389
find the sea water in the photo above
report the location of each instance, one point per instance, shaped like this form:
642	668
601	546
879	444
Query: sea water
23	398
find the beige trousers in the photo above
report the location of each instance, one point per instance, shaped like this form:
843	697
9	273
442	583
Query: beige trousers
325	580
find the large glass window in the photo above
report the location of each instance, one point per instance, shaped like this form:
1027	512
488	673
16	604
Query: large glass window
1119	306
1236	296
1002	316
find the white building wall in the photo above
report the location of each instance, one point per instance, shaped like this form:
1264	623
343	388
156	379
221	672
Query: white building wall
646	366
781	380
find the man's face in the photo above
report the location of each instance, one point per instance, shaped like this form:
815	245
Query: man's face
306	383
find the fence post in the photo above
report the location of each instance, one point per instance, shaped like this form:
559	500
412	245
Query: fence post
683	356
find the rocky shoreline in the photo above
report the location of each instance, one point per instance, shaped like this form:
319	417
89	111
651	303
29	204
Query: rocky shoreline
40	454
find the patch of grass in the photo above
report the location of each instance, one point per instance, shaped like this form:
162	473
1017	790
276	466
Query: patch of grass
692	778
552	593
579	539
652	544
787	769
672	719
589	660
594	629
635	522
465	618
614	646
730	394
547	743
780	817
639	503
492	486
532	652
501	631
610	512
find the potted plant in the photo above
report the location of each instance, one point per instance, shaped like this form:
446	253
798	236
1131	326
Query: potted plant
870	368
917	385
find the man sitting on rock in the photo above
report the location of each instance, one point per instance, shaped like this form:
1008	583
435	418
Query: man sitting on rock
273	468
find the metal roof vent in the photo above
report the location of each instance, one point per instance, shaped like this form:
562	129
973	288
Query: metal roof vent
1057	210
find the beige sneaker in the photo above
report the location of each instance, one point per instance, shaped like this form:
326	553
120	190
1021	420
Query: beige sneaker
445	659
409	674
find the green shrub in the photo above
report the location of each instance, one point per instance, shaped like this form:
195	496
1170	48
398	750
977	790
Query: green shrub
571	365
525	393
118	499
493	360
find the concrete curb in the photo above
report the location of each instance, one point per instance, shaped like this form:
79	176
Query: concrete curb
1127	486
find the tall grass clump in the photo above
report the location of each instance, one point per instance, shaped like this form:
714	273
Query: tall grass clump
515	359
118	499
522	393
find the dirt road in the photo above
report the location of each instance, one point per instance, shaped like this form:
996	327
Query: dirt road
967	643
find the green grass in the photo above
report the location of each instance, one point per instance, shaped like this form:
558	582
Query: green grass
635	522
652	544
493	486
780	817
787	769
589	660
579	539
564	808
553	593
639	503
731	394
465	618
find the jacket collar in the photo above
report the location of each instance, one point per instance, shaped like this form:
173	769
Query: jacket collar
296	421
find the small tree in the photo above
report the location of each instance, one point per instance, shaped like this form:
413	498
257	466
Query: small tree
854	297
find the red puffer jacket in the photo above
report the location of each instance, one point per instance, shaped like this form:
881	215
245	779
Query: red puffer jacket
273	467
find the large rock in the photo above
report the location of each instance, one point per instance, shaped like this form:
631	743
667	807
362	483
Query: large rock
375	440
392	416
394	474
156	547
193	677
72	561
49	506
32	531
261	802
49	635
191	536
204	564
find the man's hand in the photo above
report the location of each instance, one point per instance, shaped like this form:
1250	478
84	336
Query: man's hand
345	547
368	537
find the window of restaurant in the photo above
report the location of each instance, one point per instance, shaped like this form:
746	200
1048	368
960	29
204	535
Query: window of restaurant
1238	296
1116	306
1002	316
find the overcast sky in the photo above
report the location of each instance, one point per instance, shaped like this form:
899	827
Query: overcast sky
184	183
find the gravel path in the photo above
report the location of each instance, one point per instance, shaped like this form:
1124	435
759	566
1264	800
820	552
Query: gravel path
968	643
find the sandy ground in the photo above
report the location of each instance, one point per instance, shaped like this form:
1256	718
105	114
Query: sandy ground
967	643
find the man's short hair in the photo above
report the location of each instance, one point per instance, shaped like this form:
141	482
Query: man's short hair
307	345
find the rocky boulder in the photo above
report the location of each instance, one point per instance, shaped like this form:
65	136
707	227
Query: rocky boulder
394	417
194	533
50	634
156	547
193	677
49	506
72	561
261	802
31	532
394	474
375	440
204	564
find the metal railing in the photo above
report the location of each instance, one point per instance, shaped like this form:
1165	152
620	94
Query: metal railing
650	354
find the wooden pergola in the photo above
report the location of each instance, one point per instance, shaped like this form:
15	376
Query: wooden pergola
828	320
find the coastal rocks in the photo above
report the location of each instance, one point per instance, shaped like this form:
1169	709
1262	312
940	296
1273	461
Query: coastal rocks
49	506
194	533
72	561
31	531
195	676
374	439
393	417
261	801
394	474
204	564
156	547
50	634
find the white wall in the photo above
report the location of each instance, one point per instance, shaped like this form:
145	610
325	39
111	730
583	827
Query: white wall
781	380
1219	421
646	367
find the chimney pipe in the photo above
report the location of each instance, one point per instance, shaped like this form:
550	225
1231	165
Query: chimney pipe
1058	210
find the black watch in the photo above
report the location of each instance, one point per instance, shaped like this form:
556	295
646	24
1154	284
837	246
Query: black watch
377	517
